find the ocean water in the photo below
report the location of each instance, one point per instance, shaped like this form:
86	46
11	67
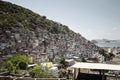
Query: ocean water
110	44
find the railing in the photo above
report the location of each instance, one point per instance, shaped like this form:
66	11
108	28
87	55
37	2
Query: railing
9	78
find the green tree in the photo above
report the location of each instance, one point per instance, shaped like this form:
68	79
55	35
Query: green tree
17	60
22	65
111	56
14	63
102	52
63	74
62	62
83	60
8	66
38	72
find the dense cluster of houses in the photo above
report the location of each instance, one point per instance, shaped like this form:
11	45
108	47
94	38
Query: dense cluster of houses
43	46
114	50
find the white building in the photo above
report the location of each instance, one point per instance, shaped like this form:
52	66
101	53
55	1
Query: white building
53	71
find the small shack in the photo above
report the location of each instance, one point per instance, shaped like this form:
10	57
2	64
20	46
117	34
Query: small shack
100	67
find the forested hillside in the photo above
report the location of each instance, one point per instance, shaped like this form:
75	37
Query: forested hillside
15	16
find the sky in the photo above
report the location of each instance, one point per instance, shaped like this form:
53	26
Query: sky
93	19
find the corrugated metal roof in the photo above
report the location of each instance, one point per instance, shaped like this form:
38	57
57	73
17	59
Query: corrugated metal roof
100	66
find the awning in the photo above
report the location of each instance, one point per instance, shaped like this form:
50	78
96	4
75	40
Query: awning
99	66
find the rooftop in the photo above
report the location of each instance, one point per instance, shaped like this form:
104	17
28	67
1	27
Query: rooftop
100	66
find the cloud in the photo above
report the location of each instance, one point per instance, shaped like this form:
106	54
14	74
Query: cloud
115	28
89	30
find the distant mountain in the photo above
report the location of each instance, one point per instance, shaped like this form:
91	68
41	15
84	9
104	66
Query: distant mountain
23	31
106	42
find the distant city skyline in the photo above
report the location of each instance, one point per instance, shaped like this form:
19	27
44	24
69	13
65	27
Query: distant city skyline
93	19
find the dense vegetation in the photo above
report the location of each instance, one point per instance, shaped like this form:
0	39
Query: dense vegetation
18	64
12	16
14	63
108	56
38	72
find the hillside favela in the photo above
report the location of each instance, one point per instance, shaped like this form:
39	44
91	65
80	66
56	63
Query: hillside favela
34	46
